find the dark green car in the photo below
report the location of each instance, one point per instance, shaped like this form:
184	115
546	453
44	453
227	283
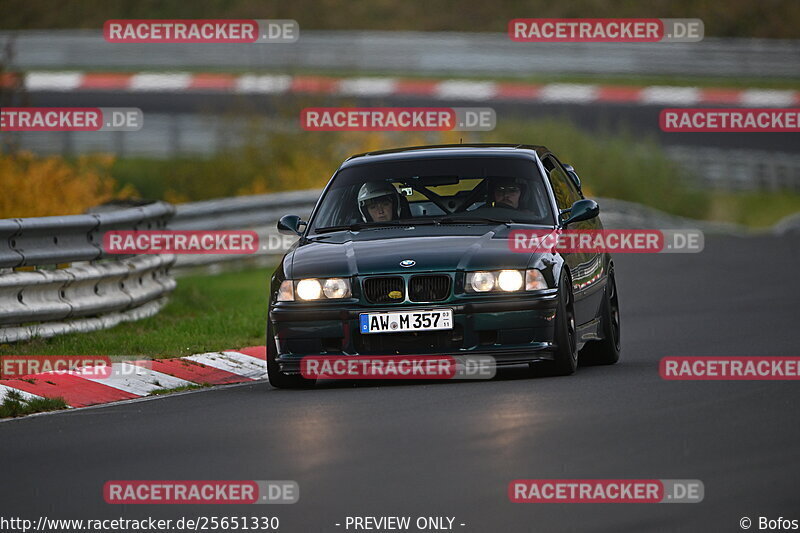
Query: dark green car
407	252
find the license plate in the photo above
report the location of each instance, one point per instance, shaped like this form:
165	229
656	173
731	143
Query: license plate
401	321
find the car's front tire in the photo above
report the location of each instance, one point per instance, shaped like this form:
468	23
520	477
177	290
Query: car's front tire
565	360
278	379
606	351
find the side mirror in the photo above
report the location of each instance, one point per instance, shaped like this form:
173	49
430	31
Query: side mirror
581	210
290	225
573	175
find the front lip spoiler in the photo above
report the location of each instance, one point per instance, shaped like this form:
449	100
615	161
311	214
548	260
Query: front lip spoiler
311	314
536	352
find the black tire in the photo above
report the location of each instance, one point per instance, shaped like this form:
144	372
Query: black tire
566	353
606	351
278	379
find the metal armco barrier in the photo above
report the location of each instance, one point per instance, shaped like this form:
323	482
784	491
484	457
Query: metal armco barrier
243	211
55	240
44	303
259	213
95	290
92	290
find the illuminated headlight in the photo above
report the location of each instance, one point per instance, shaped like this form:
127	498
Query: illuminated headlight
509	280
314	289
505	281
480	281
534	280
336	288
309	289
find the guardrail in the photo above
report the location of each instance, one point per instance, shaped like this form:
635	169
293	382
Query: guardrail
422	52
55	277
737	170
257	212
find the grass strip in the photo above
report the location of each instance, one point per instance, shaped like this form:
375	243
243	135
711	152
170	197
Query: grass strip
205	314
15	405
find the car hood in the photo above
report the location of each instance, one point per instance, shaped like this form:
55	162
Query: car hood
380	251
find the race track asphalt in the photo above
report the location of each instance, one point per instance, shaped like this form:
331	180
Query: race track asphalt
451	449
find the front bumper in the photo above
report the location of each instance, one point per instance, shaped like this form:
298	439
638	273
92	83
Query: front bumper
513	330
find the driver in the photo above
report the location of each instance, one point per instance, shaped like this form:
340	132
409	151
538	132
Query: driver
506	192
378	201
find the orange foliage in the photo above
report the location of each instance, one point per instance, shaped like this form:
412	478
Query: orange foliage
34	186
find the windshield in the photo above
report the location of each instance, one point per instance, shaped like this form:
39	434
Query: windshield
466	189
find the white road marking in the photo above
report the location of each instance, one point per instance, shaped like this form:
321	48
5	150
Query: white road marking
234	362
468	90
136	379
670	95
367	86
148	81
568	92
266	84
53	81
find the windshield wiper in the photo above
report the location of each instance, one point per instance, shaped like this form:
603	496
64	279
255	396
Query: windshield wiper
362	225
467	220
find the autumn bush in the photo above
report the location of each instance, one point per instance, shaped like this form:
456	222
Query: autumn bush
35	186
266	162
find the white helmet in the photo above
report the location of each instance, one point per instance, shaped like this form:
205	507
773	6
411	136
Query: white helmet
377	189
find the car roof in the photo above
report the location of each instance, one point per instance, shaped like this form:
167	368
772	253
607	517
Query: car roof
446	150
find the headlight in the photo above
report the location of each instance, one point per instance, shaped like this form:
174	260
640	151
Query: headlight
505	281
336	288
534	280
509	280
309	289
314	289
480	281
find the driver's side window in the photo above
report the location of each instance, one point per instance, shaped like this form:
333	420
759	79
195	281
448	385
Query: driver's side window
565	194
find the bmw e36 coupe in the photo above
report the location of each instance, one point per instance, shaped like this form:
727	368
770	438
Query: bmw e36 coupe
406	252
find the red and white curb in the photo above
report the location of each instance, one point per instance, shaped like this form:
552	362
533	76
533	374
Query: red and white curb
131	380
572	93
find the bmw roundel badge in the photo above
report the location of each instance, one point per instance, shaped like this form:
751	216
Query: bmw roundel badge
407	263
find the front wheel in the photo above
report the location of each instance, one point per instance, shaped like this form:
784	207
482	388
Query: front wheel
566	354
278	379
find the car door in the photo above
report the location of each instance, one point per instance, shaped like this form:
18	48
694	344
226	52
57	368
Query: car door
587	268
